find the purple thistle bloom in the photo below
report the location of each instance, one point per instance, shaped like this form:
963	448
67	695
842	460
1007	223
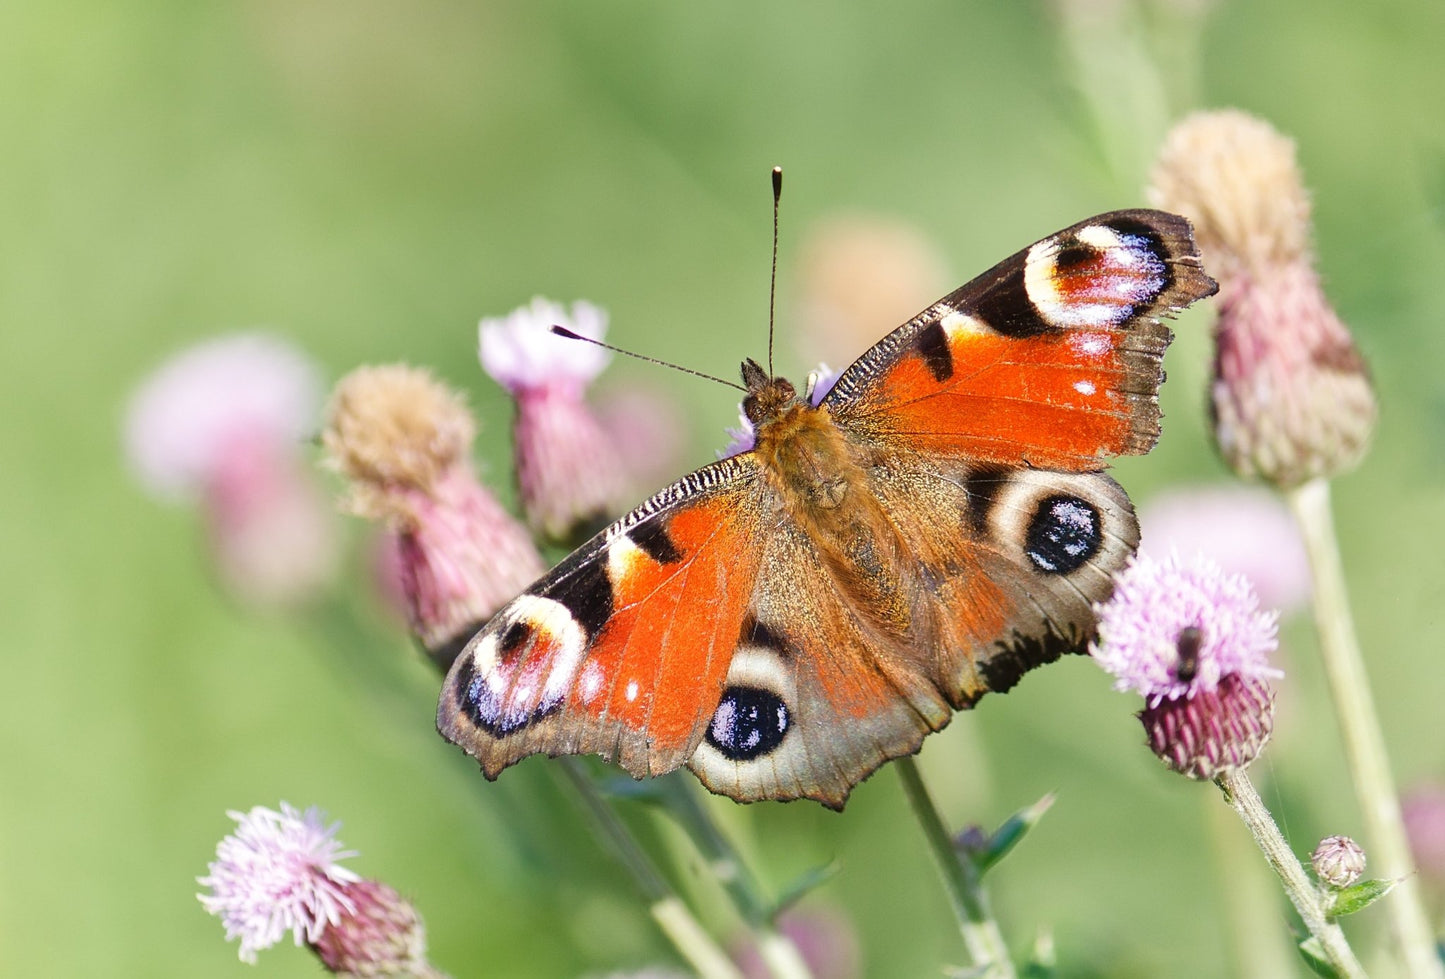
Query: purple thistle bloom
1194	642
1153	603
278	872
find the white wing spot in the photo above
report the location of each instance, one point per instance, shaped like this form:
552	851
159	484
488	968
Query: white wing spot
1084	387
632	690
590	684
954	323
1099	237
1090	344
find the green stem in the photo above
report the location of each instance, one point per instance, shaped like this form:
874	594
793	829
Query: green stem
1360	731
1240	794
682	801
688	936
981	933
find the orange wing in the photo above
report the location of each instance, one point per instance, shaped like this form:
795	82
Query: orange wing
622	649
1051	359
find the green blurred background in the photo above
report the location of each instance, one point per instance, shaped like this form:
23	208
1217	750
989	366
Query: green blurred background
368	178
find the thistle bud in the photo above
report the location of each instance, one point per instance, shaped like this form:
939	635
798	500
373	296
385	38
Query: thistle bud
404	440
1338	861
1291	398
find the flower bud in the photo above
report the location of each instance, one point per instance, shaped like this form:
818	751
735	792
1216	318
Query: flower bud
404	441
380	936
1338	861
1291	398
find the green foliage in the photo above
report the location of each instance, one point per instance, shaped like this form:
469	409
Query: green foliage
1357	897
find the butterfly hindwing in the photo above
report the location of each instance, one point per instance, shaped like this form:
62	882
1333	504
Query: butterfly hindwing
817	696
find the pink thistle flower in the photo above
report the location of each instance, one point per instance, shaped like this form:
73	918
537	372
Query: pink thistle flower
1245	530
184	417
277	873
1194	643
569	471
404	440
224	422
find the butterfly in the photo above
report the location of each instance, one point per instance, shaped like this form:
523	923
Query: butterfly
786	620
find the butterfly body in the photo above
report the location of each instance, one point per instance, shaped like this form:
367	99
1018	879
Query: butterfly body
786	620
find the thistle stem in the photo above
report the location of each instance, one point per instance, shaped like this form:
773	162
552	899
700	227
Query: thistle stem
1360	730
981	934
778	951
1240	794
687	935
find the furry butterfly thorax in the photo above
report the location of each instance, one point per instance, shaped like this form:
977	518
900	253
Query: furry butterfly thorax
787	619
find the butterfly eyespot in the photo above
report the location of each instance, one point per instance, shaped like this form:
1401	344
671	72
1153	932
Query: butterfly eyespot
519	669
749	722
1063	534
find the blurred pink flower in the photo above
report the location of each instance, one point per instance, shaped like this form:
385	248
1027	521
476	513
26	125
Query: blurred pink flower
280	872
568	469
224	423
646	429
823	936
1246	530
859	277
1423	808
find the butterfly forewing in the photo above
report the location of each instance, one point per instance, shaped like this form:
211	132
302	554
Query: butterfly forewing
1050	359
620	650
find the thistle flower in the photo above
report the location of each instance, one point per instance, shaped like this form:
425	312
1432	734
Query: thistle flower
1338	861
279	872
223	423
1246	530
1291	397
1194	643
568	469
404	440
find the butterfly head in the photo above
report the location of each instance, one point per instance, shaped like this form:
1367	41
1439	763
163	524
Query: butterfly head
767	396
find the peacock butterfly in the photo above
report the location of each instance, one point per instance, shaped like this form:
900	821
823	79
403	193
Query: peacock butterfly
787	619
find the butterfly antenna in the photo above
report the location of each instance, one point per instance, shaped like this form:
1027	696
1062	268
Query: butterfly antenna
773	283
562	331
